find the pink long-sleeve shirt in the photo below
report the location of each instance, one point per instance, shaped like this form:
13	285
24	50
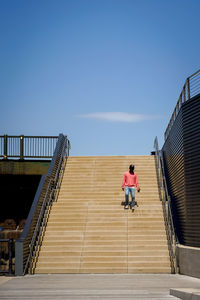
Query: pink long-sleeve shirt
130	180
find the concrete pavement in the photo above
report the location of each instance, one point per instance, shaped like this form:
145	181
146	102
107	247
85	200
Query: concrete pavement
94	286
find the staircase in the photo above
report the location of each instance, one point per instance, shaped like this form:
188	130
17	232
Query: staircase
89	231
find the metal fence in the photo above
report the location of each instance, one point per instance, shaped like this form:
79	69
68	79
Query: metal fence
190	89
22	147
181	153
6	256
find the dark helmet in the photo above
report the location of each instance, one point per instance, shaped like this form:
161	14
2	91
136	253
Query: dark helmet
131	169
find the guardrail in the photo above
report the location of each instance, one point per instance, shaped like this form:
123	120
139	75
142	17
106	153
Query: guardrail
167	209
27	247
6	256
190	89
22	147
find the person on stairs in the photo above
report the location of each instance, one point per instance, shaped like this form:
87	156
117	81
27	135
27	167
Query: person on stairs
130	183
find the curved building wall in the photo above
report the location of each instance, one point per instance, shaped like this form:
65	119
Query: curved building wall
181	153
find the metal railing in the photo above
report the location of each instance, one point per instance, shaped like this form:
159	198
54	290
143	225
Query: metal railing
36	147
190	89
167	209
6	256
27	247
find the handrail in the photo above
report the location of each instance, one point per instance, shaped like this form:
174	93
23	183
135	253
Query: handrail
22	147
28	244
190	89
167	209
53	187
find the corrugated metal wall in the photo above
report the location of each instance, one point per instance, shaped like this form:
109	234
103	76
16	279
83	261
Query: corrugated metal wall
182	161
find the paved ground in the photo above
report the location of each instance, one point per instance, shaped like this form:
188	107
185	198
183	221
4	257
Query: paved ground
85	287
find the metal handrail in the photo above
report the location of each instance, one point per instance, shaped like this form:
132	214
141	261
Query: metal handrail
167	208
22	147
48	199
53	187
190	89
30	240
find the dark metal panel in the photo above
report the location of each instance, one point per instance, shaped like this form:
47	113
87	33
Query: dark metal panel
191	138
182	163
174	164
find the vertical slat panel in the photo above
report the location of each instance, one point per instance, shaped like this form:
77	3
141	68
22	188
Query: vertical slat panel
191	138
174	165
182	161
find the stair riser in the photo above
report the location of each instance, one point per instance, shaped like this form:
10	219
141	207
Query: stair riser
74	259
102	243
78	253
107	248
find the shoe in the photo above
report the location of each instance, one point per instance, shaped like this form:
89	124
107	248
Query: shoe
126	206
132	208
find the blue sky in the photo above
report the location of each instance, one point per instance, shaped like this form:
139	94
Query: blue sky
107	73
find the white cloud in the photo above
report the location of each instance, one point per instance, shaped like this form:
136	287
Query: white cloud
119	117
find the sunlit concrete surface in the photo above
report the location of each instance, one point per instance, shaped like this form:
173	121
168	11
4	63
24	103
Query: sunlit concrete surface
4	279
89	286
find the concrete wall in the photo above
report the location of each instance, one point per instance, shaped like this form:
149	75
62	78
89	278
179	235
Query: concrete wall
189	261
16	167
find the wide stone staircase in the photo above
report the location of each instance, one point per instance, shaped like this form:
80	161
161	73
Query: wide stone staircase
89	231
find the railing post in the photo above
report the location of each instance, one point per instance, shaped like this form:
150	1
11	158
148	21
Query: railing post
10	243
184	93
5	150
21	147
19	253
68	147
188	89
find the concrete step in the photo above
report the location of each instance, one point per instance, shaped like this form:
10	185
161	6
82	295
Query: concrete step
78	252
106	233
106	221
186	293
75	258
120	263
104	247
97	228
96	218
90	243
60	236
90	232
103	270
91	206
